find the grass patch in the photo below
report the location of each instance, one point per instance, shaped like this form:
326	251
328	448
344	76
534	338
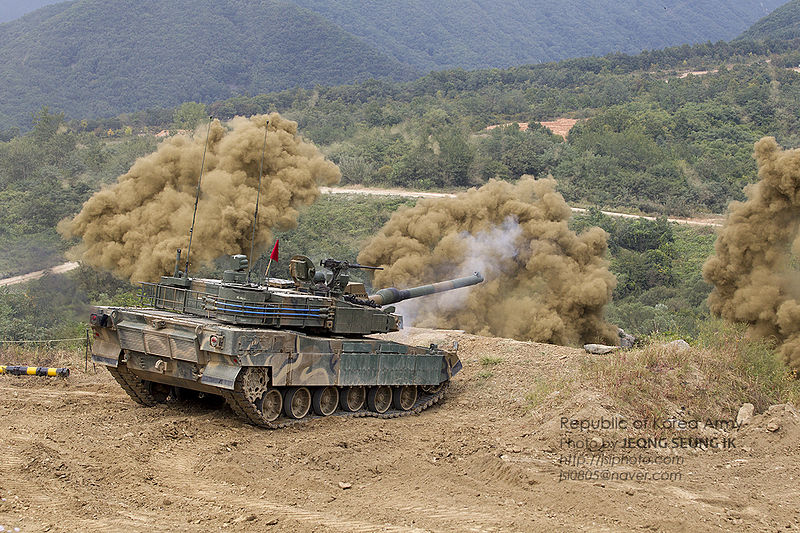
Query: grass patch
542	388
489	361
484	375
70	357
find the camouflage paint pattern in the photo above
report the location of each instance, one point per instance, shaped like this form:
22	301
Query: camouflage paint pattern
201	354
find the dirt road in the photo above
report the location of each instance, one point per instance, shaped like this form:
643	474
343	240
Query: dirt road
58	269
77	455
714	221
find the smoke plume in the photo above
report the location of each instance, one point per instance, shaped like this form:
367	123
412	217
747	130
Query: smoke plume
543	282
752	270
134	227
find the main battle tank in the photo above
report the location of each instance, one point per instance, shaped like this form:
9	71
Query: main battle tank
279	351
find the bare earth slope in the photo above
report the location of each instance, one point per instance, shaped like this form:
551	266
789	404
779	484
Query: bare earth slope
79	455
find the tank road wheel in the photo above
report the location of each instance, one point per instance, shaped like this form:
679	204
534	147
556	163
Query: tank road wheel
325	401
431	389
353	398
159	391
271	405
405	397
297	402
379	398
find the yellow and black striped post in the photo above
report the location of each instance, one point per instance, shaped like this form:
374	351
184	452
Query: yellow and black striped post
34	371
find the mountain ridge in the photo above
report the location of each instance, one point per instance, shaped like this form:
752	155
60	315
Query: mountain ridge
782	23
63	55
489	34
93	58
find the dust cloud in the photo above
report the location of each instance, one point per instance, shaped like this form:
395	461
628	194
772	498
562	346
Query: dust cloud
754	269
543	281
134	227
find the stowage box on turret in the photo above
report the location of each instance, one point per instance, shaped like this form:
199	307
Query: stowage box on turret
278	352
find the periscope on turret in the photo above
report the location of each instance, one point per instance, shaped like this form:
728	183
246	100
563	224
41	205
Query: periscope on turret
278	351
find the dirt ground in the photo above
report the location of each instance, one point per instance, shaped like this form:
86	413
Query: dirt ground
78	455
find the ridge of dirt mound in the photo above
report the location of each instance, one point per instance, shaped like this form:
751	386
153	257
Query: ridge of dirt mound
776	431
506	451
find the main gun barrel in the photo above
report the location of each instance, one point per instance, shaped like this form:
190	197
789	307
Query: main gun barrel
391	295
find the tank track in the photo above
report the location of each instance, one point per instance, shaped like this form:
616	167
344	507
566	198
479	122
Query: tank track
240	405
138	391
135	387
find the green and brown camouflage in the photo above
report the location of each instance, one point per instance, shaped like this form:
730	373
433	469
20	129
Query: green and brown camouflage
276	352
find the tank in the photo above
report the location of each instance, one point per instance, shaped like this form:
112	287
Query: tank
278	351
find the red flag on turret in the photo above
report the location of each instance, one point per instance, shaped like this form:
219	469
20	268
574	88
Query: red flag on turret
274	254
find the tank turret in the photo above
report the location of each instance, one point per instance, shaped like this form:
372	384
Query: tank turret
321	302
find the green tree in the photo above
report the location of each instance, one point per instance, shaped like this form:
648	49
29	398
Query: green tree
641	235
455	157
46	124
188	115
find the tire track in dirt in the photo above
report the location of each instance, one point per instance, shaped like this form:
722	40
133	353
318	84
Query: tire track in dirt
327	519
478	521
183	475
40	392
49	399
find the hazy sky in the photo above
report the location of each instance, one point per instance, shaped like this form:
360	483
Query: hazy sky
12	9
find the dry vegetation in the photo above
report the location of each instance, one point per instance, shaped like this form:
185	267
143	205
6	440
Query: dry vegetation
724	370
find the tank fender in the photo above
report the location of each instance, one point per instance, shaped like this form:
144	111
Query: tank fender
452	361
218	374
451	364
455	368
105	347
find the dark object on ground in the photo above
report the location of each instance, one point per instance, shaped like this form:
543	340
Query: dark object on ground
34	371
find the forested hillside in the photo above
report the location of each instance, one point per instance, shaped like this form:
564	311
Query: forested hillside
783	23
100	57
651	136
487	33
663	132
45	176
95	58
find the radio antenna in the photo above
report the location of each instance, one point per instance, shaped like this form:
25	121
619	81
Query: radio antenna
197	198
258	197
